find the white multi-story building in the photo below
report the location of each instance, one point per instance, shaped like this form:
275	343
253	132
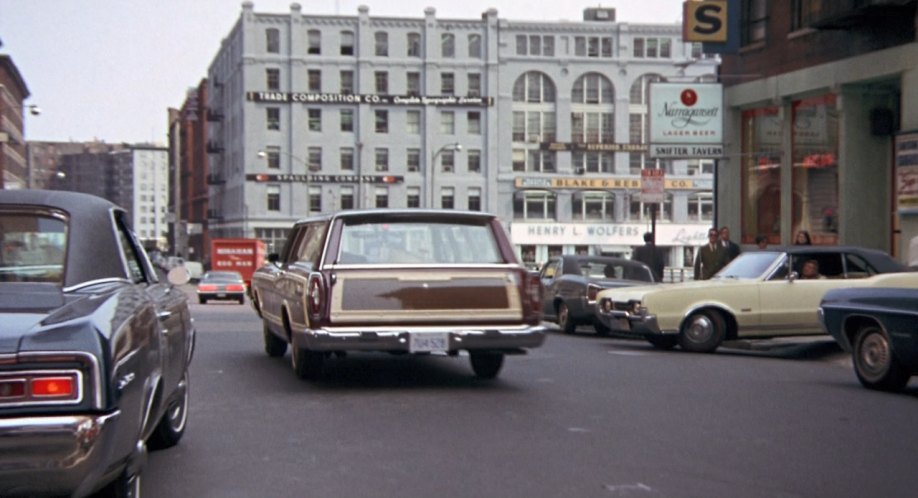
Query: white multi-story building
543	123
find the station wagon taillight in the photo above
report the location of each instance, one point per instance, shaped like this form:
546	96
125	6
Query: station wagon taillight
534	292
315	294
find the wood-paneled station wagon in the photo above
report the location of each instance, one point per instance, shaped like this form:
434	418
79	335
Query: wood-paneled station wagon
398	281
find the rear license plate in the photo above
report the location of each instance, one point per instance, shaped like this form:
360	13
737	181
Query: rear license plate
222	294
428	342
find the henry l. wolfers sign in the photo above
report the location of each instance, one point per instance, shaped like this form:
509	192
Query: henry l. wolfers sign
686	120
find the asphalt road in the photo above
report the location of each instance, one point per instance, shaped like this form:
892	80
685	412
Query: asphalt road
582	416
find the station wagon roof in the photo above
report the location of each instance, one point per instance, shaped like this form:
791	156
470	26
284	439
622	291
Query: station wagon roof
414	214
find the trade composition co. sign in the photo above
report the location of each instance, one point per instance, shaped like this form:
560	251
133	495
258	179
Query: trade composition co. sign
686	120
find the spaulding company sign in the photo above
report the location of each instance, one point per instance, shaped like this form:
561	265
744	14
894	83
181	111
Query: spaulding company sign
686	120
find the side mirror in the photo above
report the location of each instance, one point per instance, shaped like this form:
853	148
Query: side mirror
793	276
178	275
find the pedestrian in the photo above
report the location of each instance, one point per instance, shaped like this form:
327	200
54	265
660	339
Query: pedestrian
733	249
651	256
761	241
711	257
803	239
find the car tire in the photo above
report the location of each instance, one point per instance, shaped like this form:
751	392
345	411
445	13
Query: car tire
565	321
663	342
875	363
702	332
201	300
307	365
274	346
241	300
171	426
124	486
486	365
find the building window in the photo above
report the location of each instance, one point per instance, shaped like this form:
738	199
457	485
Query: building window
382	197
273	197
413	122
447	84
447	122
701	207
347	119
641	211
534	87
314	37
593	88
347	82
273	117
414	45
382	159
474	161
314	158
382	121
346	159
522	44
347	197
315	119
414	83
272	76
448	161
474	83
534	205
593	46
272	157
413	160
475	46
315	80
448	45
593	206
448	198
474	199
347	43
474	119
413	197
753	21
382	44
382	82
540	161
535	45
814	157
315	199
533	126
272	40
592	162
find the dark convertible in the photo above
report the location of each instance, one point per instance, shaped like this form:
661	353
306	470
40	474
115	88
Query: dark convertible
94	348
570	284
879	326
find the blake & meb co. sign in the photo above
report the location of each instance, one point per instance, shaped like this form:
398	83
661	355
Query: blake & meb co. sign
686	120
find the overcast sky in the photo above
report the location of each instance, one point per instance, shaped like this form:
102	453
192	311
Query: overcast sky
110	69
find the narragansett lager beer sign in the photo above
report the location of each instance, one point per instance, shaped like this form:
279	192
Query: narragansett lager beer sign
686	120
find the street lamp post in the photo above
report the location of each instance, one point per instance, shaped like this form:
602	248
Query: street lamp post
263	155
456	146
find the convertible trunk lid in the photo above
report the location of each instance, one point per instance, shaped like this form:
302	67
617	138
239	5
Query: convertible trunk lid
22	308
461	295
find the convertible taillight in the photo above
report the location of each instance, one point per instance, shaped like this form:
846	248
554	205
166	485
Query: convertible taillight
235	288
54	387
207	287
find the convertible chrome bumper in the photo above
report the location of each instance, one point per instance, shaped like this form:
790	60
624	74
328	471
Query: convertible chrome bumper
397	339
57	455
629	323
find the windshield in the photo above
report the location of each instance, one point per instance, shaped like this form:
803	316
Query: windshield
33	248
750	265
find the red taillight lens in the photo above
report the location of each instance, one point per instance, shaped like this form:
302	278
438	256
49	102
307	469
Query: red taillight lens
316	291
207	287
534	292
54	387
235	287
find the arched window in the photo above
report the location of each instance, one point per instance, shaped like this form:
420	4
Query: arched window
592	110
534	87
593	206
534	205
593	88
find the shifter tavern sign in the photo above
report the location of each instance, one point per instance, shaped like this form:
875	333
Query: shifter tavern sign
686	120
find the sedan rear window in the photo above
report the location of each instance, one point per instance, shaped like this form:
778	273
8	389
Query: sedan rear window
408	242
32	248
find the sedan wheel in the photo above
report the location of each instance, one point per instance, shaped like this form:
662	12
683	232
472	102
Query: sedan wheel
171	426
874	362
486	365
565	320
703	332
274	346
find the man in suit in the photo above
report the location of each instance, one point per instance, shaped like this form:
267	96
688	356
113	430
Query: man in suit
733	249
651	256
711	257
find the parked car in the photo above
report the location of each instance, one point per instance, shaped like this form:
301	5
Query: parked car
398	281
221	286
570	284
94	349
759	294
879	327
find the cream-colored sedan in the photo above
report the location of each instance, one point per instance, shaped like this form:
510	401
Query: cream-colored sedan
759	294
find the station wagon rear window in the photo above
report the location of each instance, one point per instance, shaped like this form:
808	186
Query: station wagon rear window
414	242
32	248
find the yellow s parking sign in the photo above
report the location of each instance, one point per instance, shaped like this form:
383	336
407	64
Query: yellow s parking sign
705	21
